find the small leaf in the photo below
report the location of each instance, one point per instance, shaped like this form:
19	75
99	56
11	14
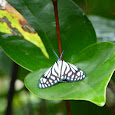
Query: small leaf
12	22
97	61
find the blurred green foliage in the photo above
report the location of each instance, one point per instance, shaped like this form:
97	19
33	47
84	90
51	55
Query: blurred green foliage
105	28
26	103
86	108
104	8
5	64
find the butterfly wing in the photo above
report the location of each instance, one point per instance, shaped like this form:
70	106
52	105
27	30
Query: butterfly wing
70	72
61	71
50	77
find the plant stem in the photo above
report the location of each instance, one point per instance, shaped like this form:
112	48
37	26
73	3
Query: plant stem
59	45
57	26
68	107
11	89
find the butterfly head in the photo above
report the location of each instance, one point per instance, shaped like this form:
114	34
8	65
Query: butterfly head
59	58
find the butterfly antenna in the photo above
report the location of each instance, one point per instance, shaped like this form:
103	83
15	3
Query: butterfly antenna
61	55
56	54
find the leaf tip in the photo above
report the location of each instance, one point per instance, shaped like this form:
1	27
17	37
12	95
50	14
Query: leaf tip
102	104
46	54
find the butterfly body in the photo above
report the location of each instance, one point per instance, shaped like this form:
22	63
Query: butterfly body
61	71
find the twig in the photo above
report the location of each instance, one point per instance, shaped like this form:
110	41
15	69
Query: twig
11	89
59	45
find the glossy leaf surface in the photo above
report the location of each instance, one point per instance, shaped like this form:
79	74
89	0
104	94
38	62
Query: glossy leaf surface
97	61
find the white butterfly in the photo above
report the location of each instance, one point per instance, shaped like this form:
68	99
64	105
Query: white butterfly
61	71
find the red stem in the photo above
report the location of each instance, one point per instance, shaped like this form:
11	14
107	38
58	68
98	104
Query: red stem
57	26
68	107
59	45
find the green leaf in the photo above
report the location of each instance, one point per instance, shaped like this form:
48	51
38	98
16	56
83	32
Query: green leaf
76	33
97	61
12	22
105	32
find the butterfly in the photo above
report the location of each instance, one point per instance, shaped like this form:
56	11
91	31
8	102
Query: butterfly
61	71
